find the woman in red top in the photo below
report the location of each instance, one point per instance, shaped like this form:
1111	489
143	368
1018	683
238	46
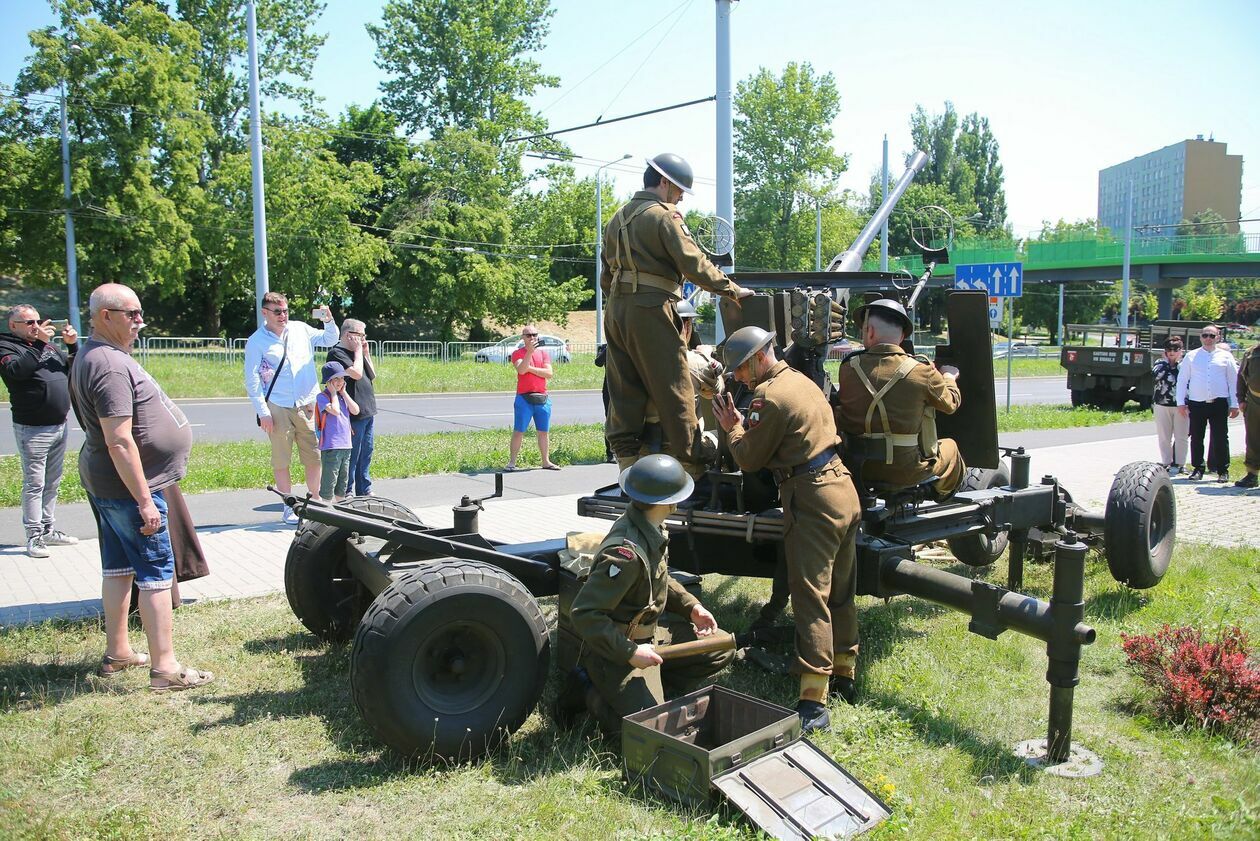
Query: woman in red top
533	369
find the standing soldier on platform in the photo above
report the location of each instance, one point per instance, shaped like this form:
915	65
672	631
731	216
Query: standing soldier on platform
1249	402
792	432
888	405
648	252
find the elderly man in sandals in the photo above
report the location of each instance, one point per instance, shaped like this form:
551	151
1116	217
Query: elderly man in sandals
137	444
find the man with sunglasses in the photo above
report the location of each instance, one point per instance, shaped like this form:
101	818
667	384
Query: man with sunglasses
281	381
1206	383
35	371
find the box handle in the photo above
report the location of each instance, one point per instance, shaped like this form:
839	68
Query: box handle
736	757
778	739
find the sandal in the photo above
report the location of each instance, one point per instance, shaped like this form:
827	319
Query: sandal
551	467
113	665
177	681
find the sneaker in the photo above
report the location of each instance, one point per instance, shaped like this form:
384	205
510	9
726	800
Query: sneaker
1222	477
1174	470
1196	474
35	547
289	517
814	716
54	537
1248	481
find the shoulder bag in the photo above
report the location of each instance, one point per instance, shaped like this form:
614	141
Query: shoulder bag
276	375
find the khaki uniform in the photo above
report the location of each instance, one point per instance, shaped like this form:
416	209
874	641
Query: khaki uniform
1249	399
889	439
648	252
790	430
619	607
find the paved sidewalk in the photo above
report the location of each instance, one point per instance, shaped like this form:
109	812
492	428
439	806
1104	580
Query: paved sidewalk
248	560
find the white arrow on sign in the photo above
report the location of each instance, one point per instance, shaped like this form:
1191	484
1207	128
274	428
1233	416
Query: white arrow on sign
997	280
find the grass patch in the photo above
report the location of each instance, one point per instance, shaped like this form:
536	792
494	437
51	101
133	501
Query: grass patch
1021	418
1028	368
275	747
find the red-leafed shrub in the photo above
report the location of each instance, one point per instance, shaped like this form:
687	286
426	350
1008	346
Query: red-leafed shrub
1213	684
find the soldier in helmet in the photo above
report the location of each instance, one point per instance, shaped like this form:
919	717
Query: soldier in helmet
888	405
648	252
617	612
791	431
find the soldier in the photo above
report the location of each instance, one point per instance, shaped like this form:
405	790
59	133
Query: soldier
888	405
1249	402
648	251
791	431
617	612
706	371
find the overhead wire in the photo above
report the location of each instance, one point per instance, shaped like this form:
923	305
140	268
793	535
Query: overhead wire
645	60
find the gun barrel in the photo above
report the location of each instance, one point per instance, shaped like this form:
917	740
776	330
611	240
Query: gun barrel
851	259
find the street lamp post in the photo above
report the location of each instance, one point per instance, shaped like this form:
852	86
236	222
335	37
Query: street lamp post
72	261
599	248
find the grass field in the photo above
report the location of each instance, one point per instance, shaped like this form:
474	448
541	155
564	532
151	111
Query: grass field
188	376
216	466
275	748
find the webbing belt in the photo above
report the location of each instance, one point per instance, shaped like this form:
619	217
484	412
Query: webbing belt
645	279
814	465
877	404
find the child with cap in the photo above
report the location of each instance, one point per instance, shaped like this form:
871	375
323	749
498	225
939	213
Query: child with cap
333	408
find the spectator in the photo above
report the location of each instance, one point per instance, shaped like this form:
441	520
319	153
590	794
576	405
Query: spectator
1205	394
137	444
1171	427
334	409
35	371
533	369
353	353
281	381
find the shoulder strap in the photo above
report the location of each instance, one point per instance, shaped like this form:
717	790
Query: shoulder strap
877	399
285	339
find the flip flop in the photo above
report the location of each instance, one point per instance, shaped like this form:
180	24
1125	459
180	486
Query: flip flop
510	469
551	467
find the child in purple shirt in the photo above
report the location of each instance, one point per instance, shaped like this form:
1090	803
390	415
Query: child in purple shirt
333	408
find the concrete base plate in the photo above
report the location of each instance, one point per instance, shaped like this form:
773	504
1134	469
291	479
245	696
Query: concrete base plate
1080	762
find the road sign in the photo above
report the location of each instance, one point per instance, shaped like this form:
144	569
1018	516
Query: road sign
995	313
688	289
1000	280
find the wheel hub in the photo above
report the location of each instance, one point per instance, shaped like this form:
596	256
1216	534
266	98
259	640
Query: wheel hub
459	667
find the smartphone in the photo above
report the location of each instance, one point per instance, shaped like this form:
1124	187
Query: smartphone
58	323
318	313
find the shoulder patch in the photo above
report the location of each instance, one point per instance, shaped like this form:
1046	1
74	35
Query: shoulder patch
681	223
754	411
613	570
625	552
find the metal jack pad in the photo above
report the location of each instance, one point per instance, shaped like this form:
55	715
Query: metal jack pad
1080	762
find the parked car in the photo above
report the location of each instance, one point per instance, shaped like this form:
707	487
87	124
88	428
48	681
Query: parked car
1003	349
555	346
841	349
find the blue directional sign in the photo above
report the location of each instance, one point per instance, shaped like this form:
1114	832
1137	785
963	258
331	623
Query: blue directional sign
1000	280
688	289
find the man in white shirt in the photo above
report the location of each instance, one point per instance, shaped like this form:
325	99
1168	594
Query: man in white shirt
1205	393
280	379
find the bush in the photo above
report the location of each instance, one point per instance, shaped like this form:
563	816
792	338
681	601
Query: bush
1213	685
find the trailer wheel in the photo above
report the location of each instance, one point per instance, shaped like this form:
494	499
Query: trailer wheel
979	550
1140	524
322	593
450	659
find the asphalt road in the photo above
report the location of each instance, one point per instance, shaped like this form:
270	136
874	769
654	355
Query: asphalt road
232	419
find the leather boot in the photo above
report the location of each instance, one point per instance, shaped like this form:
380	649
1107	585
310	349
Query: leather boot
814	716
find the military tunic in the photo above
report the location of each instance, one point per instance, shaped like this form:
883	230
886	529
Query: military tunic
648	252
619	607
1249	399
789	423
922	387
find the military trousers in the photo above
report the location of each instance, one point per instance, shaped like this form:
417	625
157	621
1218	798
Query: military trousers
908	469
1251	424
821	513
622	689
647	362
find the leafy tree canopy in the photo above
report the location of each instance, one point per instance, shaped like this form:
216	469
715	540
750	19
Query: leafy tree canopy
963	157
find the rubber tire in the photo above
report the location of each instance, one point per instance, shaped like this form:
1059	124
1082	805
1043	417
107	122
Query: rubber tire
317	557
978	550
1140	524
401	632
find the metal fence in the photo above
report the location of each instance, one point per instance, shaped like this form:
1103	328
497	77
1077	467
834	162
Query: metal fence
419	349
210	348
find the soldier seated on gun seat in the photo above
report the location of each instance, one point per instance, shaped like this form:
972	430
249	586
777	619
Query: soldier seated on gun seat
888	405
617	612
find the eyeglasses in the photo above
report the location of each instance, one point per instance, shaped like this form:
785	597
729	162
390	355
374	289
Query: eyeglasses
133	315
30	322
355	333
529	335
276	311
1208	335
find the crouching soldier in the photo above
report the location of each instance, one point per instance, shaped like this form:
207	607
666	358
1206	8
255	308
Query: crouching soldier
617	613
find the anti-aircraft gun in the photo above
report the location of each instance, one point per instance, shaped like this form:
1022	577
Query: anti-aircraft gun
452	649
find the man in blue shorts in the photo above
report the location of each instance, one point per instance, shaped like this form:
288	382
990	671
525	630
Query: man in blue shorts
533	369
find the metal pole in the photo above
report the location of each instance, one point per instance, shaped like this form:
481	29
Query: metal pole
1124	279
261	285
883	231
818	234
1010	349
599	249
1059	334
725	153
72	262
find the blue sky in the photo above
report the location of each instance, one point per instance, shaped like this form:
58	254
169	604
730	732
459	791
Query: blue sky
1070	87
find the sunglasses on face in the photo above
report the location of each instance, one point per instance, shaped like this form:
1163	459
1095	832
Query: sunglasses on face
1207	335
133	315
529	335
29	322
278	312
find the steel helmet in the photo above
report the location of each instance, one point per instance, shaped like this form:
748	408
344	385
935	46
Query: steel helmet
888	307
656	480
673	169
743	344
685	309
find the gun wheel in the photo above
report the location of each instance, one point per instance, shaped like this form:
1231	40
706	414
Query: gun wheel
980	550
1140	524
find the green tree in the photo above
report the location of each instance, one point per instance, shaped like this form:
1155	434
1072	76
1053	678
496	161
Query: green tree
1083	301
460	64
1204	305
963	157
562	216
784	164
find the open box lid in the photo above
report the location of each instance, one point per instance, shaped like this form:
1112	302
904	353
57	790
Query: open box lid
797	792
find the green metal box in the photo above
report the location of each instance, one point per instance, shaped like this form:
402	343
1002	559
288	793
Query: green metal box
678	747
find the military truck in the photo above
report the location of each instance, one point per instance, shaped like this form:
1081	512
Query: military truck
1107	366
